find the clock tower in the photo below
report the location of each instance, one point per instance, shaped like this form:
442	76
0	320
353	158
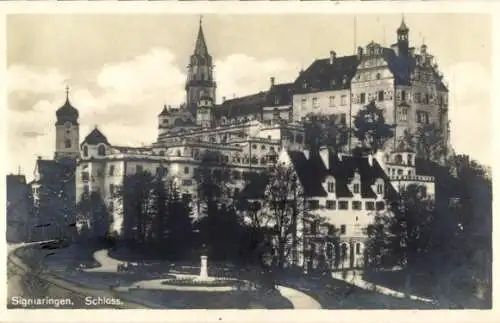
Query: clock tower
67	131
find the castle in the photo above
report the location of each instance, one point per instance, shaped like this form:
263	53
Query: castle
247	130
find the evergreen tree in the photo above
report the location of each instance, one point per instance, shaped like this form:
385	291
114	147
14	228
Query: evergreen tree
430	143
327	131
371	129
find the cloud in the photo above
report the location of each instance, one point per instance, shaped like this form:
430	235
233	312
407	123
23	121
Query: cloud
240	74
470	110
123	99
24	79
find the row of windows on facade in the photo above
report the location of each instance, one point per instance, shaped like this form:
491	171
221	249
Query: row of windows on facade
355	188
101	151
344	205
235	174
422	116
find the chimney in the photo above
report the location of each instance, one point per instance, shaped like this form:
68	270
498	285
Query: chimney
324	153
272	80
333	55
360	52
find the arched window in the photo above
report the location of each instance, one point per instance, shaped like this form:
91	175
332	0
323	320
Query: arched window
101	150
67	143
378	76
85	151
343	252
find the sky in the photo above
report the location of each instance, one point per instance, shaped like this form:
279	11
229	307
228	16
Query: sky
122	68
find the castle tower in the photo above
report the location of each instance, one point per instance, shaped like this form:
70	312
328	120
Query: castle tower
67	131
200	79
204	115
403	41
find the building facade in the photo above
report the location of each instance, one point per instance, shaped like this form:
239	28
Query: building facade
345	190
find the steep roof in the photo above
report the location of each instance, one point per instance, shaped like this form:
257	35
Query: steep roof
324	75
95	137
312	172
276	95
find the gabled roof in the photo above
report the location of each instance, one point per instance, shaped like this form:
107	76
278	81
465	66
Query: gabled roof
95	137
324	75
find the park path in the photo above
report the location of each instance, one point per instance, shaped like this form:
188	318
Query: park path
298	299
356	278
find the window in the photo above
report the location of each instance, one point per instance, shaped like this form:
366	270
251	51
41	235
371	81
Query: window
356	205
303	103
276	114
403	114
400	172
343	100
290	115
380	188
362	98
186	170
314	227
332	101
315	103
380	206
355	188
236	175
67	143
343	205
254	146
111	170
101	150
381	95
331	187
330	204
358	248
299	139
86	189
342	229
111	189
426	98
314	204
378	76
187	182
403	95
85	151
370	206
417	97
85	176
138	169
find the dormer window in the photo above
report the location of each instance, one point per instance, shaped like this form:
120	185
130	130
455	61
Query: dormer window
355	188
331	187
85	151
380	188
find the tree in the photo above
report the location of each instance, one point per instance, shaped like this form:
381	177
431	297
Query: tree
219	224
370	128
177	233
283	205
93	210
430	142
402	235
328	131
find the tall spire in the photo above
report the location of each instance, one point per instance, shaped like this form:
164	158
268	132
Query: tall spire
67	93
200	48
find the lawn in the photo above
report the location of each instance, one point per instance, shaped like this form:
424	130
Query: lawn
215	300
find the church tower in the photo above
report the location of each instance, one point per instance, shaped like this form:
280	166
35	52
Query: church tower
67	131
200	81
